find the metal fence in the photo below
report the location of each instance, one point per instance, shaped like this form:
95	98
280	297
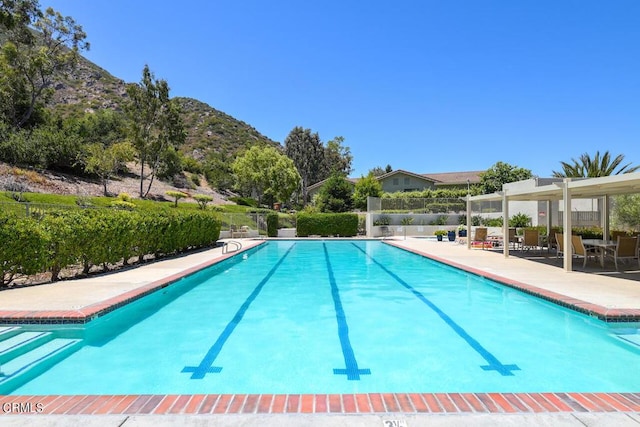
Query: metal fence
416	205
582	218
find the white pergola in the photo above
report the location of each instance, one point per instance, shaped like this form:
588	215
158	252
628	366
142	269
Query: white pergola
568	189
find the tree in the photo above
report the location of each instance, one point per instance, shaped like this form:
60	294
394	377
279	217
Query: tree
202	200
177	195
285	179
104	126
335	195
155	126
29	63
105	162
379	171
501	173
18	13
587	167
307	153
626	212
365	187
337	158
266	172
218	171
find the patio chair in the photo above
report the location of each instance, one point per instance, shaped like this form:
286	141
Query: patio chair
615	233
560	244
551	240
513	239
579	250
480	235
531	240
626	248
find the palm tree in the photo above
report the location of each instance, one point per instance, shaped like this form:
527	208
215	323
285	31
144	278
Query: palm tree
587	167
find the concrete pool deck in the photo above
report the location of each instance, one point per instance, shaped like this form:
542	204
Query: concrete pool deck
78	301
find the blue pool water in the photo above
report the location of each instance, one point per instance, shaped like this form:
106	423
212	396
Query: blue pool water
340	317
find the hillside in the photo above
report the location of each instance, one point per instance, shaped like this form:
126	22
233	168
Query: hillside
90	88
50	182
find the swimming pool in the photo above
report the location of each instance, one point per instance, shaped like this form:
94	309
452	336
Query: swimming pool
338	317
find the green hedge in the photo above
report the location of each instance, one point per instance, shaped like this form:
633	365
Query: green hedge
327	224
61	239
272	224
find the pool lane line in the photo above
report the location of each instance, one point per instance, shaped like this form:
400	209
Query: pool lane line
493	363
206	366
352	371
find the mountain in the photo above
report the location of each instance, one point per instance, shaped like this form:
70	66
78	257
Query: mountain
90	88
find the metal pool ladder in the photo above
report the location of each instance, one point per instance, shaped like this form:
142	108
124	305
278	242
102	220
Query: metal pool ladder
236	246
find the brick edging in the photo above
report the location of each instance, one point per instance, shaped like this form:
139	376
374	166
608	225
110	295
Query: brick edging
365	403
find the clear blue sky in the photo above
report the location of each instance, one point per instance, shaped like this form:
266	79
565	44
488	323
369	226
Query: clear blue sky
423	85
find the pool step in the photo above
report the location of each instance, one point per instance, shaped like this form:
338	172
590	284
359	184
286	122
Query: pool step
9	331
31	363
21	343
631	338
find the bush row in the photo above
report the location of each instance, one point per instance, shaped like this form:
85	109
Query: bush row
61	239
338	224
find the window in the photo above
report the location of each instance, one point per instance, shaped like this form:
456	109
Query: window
395	181
406	181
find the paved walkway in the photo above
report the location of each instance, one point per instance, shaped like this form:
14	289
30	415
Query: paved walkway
80	300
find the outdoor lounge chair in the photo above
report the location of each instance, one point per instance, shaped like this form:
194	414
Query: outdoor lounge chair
579	250
626	248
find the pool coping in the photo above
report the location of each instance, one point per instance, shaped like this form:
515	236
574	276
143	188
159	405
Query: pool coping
363	403
606	314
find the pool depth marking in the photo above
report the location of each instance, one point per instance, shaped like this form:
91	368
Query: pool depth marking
493	363
206	366
352	371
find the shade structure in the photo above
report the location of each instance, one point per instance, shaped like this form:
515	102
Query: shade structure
568	189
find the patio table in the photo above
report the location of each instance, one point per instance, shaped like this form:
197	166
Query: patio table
602	246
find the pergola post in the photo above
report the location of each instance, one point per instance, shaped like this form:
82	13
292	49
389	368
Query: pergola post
505	224
604	220
549	221
566	226
468	221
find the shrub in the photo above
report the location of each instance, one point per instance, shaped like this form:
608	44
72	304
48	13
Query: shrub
493	222
520	220
84	201
61	239
339	224
272	224
407	220
202	200
23	250
177	195
245	201
382	220
124	205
